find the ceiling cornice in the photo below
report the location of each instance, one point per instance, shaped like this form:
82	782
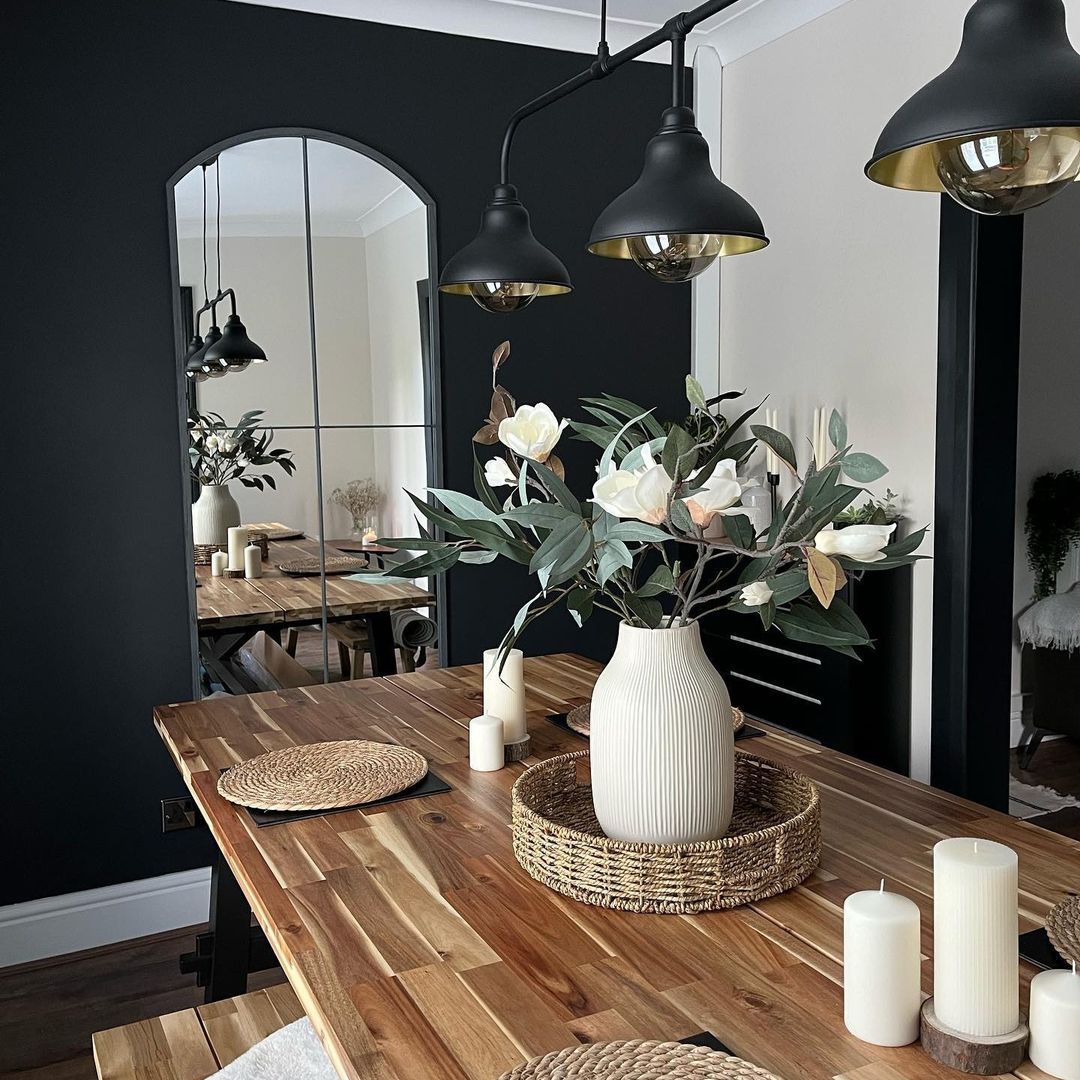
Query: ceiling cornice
744	27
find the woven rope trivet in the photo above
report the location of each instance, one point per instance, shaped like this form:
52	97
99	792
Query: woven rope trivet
637	1060
577	719
1063	928
335	564
323	776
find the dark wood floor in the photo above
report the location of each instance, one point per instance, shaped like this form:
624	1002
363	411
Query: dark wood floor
1055	765
49	1010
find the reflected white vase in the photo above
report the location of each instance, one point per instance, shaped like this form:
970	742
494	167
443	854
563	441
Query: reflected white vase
213	514
661	741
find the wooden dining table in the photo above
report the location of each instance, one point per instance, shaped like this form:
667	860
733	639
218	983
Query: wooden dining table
230	611
421	950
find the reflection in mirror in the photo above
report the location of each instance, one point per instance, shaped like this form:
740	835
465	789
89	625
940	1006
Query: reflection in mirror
328	254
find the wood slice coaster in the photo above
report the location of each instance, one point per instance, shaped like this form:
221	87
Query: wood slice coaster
637	1060
335	564
323	776
1063	929
577	719
984	1055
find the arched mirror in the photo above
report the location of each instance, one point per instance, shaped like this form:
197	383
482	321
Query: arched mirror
306	351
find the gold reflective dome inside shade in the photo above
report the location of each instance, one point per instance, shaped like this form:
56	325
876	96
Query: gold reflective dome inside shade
618	248
465	288
917	168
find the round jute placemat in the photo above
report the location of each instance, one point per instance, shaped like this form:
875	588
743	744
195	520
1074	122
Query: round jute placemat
577	719
335	564
323	776
1063	928
637	1060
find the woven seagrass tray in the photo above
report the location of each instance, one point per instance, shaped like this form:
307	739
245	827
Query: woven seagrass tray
335	564
1063	929
204	551
637	1060
578	718
774	842
323	776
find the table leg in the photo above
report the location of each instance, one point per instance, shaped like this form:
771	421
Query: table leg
230	925
381	629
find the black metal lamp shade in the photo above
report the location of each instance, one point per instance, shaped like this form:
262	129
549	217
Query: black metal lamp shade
193	358
999	129
677	199
234	350
504	267
211	369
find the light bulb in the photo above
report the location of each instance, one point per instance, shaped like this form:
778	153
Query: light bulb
1008	172
674	256
504	296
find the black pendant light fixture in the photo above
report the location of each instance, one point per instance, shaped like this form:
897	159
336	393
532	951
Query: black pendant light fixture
999	129
193	366
677	218
673	222
504	268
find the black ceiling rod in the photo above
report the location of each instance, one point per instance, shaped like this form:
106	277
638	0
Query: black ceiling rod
677	27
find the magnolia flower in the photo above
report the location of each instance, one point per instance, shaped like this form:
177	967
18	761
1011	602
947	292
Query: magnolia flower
639	493
212	444
531	432
863	543
227	446
498	473
755	594
721	492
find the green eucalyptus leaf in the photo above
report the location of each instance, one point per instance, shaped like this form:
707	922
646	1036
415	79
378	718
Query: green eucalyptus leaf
837	431
478	558
609	452
863	468
556	488
579	602
638	531
908	545
695	394
680	517
647	610
539	515
740	529
465	506
659	581
788	586
560	541
483	488
679	455
767	612
779	443
614	555
636	458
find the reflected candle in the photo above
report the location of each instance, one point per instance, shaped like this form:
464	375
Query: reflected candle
881	967
1055	1023
218	561
504	692
238	539
976	944
485	743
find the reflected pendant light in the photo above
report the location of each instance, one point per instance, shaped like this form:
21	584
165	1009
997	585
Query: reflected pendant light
193	366
504	268
678	218
999	129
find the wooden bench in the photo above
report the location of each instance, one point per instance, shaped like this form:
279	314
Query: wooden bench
195	1043
354	644
270	666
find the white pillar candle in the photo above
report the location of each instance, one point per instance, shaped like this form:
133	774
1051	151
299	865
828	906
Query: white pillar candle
252	561
218	561
1055	1023
485	743
881	968
504	692
976	944
238	538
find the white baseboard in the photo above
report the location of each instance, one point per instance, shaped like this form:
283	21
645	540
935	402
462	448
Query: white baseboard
84	920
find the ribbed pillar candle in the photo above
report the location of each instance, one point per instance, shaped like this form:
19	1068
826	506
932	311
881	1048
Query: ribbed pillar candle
976	948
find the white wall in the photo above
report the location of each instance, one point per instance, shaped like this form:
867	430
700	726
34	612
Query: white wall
841	309
1048	434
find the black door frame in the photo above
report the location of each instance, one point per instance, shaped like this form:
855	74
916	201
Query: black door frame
980	277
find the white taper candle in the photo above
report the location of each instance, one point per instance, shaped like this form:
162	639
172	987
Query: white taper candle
976	947
238	540
504	692
1055	1023
881	967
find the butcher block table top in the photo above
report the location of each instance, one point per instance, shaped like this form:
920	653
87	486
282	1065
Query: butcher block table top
422	951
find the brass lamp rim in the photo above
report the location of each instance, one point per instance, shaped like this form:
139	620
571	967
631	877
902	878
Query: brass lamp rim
734	243
546	288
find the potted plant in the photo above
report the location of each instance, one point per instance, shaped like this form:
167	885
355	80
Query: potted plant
640	546
360	499
220	452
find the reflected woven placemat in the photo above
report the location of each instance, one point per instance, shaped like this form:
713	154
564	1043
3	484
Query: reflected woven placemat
1063	928
323	776
637	1060
577	719
335	564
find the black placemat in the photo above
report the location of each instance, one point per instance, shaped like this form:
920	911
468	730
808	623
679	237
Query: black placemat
745	732
707	1038
1035	947
432	784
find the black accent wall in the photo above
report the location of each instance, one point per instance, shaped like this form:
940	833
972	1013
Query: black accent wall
102	103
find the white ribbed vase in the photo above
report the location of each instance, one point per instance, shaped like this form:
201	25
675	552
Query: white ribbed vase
661	741
213	514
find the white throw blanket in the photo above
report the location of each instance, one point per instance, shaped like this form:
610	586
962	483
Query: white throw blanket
1053	623
291	1053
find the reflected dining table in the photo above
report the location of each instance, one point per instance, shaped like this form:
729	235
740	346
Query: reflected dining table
230	611
421	950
